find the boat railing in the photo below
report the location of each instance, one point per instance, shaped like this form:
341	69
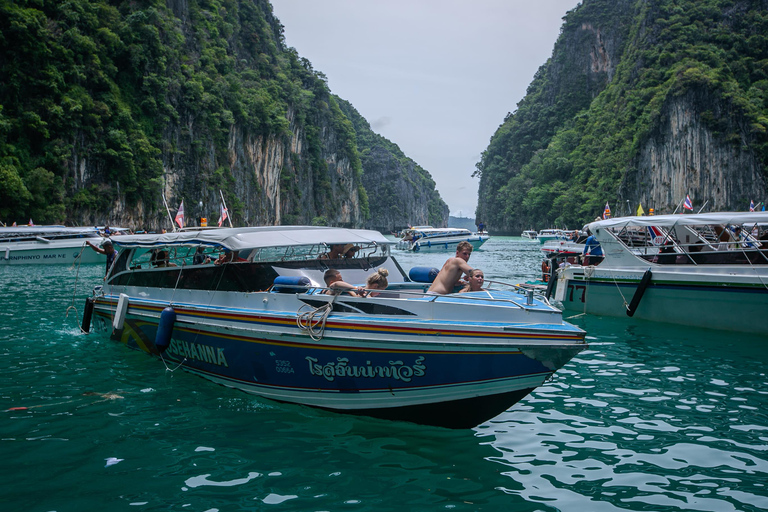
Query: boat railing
397	292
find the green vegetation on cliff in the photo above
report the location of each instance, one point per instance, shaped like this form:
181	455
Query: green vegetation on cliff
98	97
575	139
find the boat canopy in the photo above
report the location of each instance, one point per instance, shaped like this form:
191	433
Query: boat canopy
693	219
237	239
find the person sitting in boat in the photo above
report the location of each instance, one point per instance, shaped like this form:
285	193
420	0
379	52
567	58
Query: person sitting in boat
200	258
161	259
336	252
227	256
106	249
476	280
592	251
350	251
377	281
336	284
450	275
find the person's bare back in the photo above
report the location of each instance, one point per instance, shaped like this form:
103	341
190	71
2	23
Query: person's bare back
452	270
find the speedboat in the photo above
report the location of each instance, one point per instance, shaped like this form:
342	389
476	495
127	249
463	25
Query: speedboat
44	245
530	234
694	269
439	239
265	323
545	235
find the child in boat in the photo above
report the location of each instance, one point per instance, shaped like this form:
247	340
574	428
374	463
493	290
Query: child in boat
336	285
476	280
377	281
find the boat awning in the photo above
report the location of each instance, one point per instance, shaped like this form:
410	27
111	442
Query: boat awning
238	239
694	219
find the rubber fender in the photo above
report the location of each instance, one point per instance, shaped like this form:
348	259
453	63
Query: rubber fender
87	314
423	274
552	275
644	282
290	284
120	312
165	329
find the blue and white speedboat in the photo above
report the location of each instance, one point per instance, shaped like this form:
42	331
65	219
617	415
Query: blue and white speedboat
429	239
263	323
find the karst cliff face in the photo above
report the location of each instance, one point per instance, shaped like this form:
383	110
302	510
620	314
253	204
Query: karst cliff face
156	103
641	103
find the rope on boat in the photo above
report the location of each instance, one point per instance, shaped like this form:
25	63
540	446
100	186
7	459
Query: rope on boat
74	290
313	322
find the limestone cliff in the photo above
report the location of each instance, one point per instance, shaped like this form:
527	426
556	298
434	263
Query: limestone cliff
400	192
640	103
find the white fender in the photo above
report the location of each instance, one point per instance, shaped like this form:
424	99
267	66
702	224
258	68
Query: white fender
122	309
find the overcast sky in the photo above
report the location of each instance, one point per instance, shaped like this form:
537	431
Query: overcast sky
436	77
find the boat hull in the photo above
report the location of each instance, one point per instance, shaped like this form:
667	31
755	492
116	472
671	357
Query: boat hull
672	299
416	372
41	253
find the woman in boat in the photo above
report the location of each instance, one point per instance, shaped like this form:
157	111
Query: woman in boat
336	284
377	281
476	280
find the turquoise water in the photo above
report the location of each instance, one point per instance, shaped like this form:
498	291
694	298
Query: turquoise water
652	417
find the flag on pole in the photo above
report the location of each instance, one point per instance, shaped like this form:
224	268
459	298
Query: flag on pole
688	205
222	214
607	211
14	224
30	222
180	215
640	211
751	205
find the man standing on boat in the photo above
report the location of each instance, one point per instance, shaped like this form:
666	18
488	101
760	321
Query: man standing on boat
450	275
106	249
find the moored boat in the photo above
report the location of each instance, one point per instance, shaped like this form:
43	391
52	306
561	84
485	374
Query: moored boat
427	238
262	322
45	245
696	270
530	234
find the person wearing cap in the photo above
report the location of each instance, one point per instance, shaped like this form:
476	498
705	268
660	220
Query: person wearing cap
108	250
350	250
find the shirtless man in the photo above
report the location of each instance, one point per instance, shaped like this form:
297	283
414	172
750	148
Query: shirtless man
452	270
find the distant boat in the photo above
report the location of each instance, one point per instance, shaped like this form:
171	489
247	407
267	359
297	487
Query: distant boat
529	234
46	245
427	238
264	322
696	269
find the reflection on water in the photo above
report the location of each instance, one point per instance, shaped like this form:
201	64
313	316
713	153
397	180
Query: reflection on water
651	417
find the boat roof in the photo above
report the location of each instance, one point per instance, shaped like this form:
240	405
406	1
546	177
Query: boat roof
238	239
692	219
45	230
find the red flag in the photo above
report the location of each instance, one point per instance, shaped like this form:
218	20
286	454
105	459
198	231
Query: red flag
222	214
688	204
180	215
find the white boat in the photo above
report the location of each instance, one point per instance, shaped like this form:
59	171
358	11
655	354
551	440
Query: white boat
545	235
682	269
45	245
264	324
530	234
427	238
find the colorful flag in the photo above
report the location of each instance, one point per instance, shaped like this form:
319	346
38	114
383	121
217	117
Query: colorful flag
656	235
607	212
180	215
688	205
222	214
30	222
14	224
640	211
751	205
